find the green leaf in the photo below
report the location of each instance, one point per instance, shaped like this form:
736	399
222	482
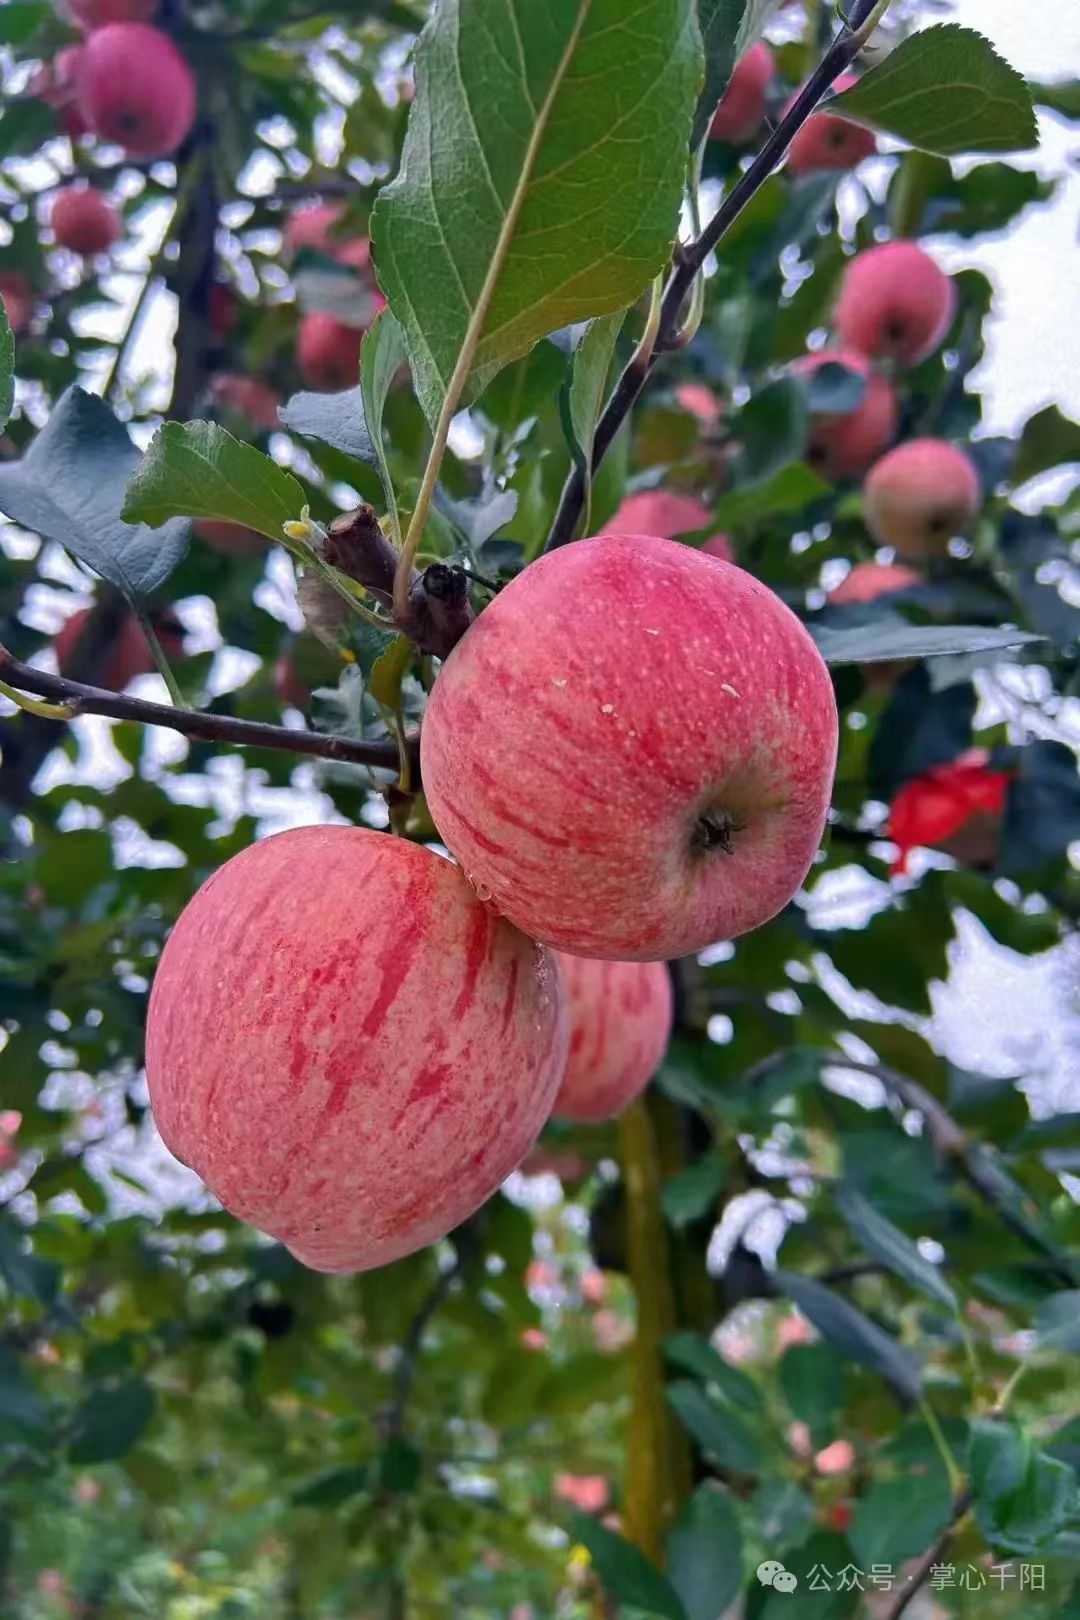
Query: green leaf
771	430
792	489
1058	1321
719	21
110	1421
853	1333
22	1271
21	19
198	470
1022	1496
7	367
69	487
691	1194
586	392
705	1554
381	358
541	177
721	1433
1048	439
24	126
885	1242
812	1381
885	640
693	1353
334	1486
334	419
626	1575
833	389
899	1518
1062	97
946	90
21	1409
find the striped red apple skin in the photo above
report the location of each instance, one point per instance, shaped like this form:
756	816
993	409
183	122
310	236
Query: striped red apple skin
632	749
349	1048
620	1021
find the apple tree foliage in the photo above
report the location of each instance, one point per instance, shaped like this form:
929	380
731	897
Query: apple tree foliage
838	1233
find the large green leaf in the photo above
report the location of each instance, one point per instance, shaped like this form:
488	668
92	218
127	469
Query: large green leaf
945	90
198	470
334	419
7	367
812	1380
721	1433
705	1554
1022	1495
899	1518
886	640
541	177
69	487
110	1421
887	1243
1048	439
853	1333
626	1575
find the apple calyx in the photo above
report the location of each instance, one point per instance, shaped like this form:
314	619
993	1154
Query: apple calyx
713	830
439	610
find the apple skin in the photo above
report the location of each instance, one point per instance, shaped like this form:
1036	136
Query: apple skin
622	711
620	1024
843	445
136	89
315	227
130	656
920	495
18	299
231	538
869	580
249	397
288	684
741	108
349	1048
83	221
895	303
701	402
655	511
328	352
91	14
828	141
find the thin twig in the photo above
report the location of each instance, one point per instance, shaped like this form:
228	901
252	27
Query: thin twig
932	1556
690	259
204	727
405	1371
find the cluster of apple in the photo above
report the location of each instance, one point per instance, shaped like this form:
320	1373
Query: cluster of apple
354	1040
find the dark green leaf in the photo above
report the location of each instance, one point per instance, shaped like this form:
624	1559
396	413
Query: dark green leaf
1042	812
691	1194
946	90
24	125
196	469
719	21
693	1353
885	1242
1022	1495
792	489
21	1410
882	642
333	1487
1048	439
853	1333
627	1577
1063	96
586	392
518	204
21	1270
812	1380
1058	1321
381	358
69	487
110	1421
833	389
721	1433
899	1518
7	367
21	19
705	1554
771	430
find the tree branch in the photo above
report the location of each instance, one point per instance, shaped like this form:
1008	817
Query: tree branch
201	726
405	1371
930	1557
690	259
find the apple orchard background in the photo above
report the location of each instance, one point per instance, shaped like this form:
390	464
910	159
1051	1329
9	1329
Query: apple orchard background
836	1324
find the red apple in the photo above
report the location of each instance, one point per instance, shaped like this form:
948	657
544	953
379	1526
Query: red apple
18	299
843	444
97	13
288	685
701	402
57	83
83	221
232	538
920	495
349	1048
130	656
10	1121
135	88
328	352
742	106
315	226
895	303
589	1493
631	750
249	397
869	580
620	1021
829	141
654	511
957	808
223	303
